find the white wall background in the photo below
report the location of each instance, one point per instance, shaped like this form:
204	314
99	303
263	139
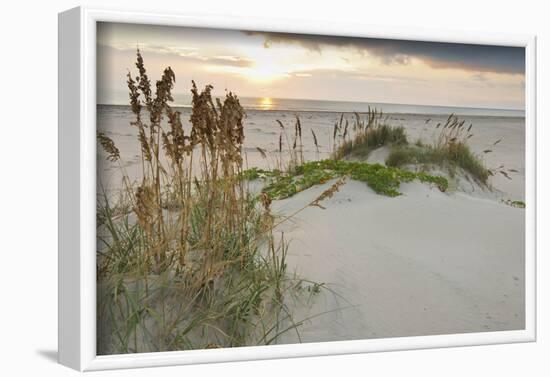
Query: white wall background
28	185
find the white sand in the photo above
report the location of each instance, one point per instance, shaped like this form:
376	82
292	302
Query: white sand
379	156
423	263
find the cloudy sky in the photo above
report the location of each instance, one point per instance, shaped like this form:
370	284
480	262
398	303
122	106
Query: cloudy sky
257	64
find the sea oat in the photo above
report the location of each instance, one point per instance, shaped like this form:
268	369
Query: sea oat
109	146
328	193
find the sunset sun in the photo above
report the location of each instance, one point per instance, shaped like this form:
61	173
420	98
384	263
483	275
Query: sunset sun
266	68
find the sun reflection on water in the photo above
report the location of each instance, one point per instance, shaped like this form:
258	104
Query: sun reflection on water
266	103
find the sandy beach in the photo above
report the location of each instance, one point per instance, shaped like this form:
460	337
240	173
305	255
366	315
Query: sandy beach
424	263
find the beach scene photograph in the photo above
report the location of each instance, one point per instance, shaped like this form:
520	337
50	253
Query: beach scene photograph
261	188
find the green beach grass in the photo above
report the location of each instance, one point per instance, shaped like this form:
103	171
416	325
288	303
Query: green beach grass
382	179
450	156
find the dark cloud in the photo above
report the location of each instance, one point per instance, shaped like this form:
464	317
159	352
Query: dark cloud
470	57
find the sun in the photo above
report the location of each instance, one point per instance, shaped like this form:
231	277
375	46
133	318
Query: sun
265	68
264	72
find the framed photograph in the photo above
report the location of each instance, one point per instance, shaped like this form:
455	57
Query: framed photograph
243	189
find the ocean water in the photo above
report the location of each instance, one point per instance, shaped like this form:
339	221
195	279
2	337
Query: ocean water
283	104
263	131
286	104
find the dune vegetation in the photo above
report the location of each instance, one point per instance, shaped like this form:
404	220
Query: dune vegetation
383	180
449	151
364	136
350	139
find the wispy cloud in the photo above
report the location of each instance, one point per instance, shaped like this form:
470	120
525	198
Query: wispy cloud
356	75
191	54
480	77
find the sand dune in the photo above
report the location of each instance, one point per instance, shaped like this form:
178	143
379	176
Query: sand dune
423	263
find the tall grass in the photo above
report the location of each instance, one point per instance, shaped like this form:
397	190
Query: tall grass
365	135
291	148
187	257
450	150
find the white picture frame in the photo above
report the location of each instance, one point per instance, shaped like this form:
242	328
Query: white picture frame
77	199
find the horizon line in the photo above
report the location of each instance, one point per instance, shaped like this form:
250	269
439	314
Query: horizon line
340	101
